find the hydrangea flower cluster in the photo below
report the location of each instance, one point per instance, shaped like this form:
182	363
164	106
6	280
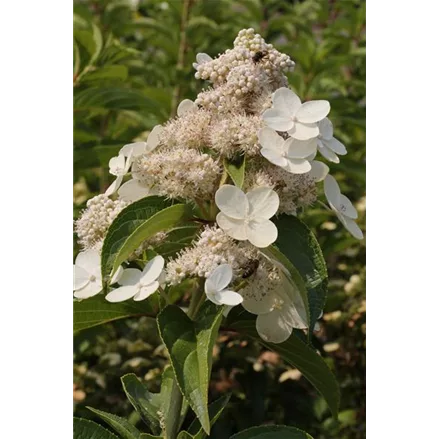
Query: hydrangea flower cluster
247	115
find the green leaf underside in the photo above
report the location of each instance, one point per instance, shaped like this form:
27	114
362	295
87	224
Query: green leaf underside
236	170
120	425
272	432
295	352
190	346
85	429
96	310
300	246
273	252
215	409
147	404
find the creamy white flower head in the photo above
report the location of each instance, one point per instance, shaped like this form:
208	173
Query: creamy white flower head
247	216
119	166
291	154
289	114
87	281
328	145
134	190
186	106
201	58
138	284
342	207
216	284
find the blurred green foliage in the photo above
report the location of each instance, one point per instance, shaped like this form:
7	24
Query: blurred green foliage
132	65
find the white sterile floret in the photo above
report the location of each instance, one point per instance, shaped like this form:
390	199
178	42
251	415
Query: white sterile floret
342	206
138	148
328	145
119	167
87	281
290	154
247	216
138	284
319	170
216	284
289	114
186	106
134	190
201	59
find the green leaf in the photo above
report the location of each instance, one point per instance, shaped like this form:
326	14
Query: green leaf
190	346
134	224
295	352
294	276
85	429
272	432
215	410
301	247
150	436
96	311
177	239
120	425
236	170
147	404
115	72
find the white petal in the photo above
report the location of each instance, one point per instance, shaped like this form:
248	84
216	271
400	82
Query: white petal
117	164
328	153
313	111
277	120
261	234
130	276
80	277
347	208
90	290
212	297
136	149
116	277
274	157
153	138
258	302
351	226
122	293
114	186
301	131
319	170
326	129
269	139
89	260
186	106
133	190
300	149
332	191
264	203
146	291
286	101
229	298
273	327
219	279
203	58
298	166
335	145
235	228
152	270
232	201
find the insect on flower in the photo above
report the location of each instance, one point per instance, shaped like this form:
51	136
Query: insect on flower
258	56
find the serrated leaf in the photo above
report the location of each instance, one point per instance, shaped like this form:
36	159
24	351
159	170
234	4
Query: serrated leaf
120	425
295	352
190	346
85	429
147	404
272	432
300	246
215	409
133	224
96	311
236	170
125	224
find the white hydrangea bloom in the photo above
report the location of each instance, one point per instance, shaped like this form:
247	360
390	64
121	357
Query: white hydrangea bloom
134	190
216	284
327	144
119	167
138	284
289	114
186	106
201	59
342	207
247	216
